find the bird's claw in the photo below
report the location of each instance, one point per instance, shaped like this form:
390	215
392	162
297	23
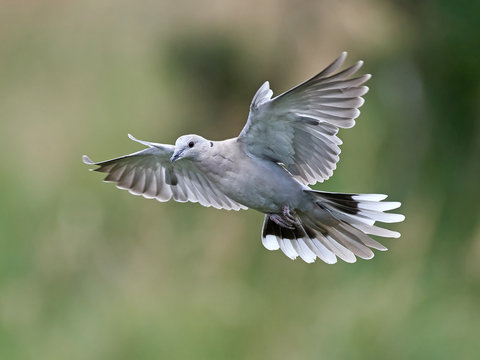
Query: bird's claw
285	219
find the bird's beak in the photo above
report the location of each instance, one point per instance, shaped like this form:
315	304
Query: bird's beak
176	155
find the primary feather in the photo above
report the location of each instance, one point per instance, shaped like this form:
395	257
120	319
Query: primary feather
299	127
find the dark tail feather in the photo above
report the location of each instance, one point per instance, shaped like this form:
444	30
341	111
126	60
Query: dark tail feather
299	241
339	227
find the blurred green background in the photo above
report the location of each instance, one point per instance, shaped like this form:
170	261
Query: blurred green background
91	272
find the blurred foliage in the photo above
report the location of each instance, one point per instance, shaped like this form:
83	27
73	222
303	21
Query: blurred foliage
90	272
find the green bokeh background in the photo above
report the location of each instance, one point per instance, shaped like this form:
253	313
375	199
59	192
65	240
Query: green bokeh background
91	272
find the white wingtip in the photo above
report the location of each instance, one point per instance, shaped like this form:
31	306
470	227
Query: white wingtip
263	94
145	143
87	160
343	56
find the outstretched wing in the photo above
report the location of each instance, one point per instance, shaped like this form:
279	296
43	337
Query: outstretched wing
149	173
299	127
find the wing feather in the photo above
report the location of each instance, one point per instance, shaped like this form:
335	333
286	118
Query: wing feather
299	127
150	174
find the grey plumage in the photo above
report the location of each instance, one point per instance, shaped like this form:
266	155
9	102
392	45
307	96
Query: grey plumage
289	142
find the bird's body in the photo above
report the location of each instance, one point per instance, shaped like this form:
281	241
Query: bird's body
254	182
288	143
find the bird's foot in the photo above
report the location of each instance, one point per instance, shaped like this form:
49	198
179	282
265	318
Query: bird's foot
285	219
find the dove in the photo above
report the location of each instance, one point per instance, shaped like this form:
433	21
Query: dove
288	143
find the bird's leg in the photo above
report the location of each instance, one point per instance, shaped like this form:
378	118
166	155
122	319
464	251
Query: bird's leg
285	219
287	215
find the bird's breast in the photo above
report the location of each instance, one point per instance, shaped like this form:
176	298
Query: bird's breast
254	182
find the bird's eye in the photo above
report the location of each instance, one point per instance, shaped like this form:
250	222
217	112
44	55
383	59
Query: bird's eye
191	144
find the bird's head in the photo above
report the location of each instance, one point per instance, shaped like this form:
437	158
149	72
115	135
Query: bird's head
189	147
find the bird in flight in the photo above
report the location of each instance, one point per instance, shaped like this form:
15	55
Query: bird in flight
288	143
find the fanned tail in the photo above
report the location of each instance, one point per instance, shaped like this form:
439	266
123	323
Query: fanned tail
339	226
